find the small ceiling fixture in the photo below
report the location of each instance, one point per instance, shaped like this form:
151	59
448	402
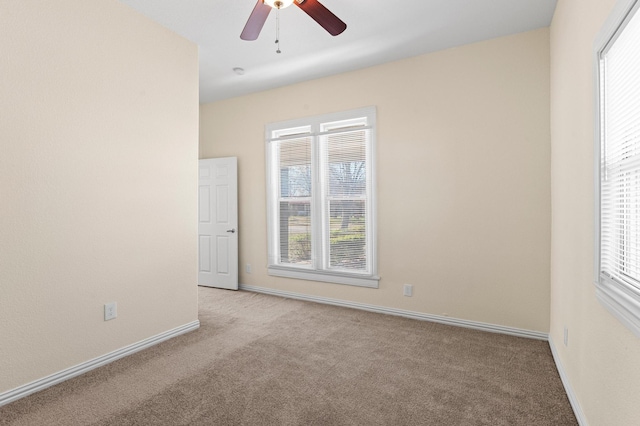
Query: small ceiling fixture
279	4
238	70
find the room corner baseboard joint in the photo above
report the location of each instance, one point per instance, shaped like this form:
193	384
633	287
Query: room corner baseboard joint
573	400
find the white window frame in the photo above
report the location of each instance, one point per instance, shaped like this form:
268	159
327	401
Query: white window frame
356	278
622	300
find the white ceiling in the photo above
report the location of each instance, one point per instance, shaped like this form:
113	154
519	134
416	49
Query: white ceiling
378	31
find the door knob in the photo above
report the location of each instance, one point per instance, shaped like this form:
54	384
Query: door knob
233	231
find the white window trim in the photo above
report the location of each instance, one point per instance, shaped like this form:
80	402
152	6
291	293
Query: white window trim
349	278
621	301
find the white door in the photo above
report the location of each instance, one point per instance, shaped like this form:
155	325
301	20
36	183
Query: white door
218	223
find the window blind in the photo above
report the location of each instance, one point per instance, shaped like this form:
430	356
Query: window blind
345	186
295	192
620	157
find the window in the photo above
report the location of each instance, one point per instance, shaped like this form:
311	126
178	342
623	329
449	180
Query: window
618	164
321	198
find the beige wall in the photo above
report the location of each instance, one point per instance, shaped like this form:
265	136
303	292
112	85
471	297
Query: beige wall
98	159
463	177
602	359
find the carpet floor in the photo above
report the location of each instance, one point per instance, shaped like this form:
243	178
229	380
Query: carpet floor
265	360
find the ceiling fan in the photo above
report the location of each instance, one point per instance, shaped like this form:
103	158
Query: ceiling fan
313	8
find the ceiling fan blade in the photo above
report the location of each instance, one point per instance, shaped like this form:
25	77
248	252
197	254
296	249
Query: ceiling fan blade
322	16
256	21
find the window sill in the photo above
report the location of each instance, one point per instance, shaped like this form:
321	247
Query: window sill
622	302
335	278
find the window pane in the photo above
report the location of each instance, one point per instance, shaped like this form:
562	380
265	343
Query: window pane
347	164
295	181
347	240
345	171
295	232
621	227
295	168
620	180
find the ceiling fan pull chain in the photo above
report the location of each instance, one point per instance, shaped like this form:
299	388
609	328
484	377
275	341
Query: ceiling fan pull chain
278	30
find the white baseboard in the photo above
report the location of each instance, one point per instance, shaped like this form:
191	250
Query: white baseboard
402	313
573	400
61	376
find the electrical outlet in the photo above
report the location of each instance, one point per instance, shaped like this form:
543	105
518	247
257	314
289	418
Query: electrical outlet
566	336
248	268
408	290
110	311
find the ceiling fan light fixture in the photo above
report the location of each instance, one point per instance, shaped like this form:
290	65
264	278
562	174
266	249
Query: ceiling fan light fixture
278	4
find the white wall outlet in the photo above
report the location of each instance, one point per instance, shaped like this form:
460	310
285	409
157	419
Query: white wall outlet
566	336
408	290
110	311
248	268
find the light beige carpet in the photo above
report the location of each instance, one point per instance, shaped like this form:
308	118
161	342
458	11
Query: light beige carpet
264	360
